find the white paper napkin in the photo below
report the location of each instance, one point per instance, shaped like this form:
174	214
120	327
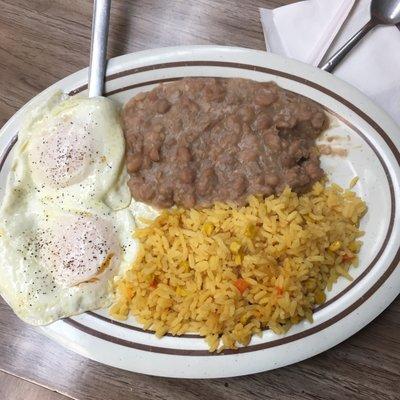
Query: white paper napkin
305	31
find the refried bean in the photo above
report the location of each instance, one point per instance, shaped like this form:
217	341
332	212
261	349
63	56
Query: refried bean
200	140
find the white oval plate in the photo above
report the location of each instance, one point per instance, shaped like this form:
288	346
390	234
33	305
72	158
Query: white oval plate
372	140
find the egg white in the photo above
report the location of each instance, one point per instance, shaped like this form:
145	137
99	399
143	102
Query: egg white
101	179
65	229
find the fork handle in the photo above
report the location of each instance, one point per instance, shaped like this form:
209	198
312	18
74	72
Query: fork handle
334	61
98	49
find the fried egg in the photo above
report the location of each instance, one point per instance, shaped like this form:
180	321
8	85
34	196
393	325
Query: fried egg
65	222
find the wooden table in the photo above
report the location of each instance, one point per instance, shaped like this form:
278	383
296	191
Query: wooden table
42	41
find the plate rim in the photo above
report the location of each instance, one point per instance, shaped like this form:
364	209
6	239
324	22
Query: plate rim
187	49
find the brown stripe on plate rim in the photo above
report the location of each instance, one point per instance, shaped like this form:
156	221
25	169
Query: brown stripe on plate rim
137	328
336	97
7	150
392	213
176	64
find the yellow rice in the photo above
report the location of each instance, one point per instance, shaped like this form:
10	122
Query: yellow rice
229	272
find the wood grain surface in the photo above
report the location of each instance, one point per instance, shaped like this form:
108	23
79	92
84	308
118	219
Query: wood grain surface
15	388
42	41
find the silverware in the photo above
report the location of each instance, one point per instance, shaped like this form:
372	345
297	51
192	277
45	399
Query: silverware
383	12
98	49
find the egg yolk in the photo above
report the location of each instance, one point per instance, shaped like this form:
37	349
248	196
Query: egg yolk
64	155
79	249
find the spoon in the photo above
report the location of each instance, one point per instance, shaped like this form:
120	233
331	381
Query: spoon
98	48
383	12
